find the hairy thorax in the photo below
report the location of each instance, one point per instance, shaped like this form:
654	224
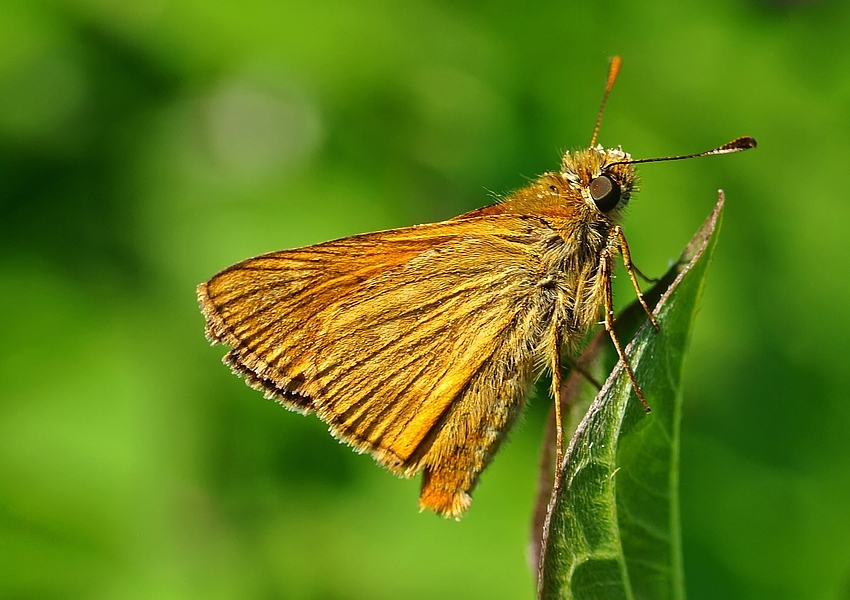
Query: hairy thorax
570	286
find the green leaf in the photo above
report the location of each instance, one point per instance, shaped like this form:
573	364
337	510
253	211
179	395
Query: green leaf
612	524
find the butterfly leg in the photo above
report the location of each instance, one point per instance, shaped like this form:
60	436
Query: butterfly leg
606	264
556	392
630	269
646	278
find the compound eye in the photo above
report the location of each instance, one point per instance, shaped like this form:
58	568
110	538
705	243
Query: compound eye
605	192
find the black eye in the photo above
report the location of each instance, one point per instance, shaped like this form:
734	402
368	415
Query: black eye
605	192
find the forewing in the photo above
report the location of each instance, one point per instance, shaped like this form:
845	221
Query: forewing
268	308
379	333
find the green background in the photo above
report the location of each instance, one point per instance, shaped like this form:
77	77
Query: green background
144	146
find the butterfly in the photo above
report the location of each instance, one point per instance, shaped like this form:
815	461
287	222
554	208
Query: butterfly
418	345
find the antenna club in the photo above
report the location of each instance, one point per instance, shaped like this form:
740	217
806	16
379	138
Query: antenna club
613	70
742	143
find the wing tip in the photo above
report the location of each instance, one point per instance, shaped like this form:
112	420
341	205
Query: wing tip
215	330
244	364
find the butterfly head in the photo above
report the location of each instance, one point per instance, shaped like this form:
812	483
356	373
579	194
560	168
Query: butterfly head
601	177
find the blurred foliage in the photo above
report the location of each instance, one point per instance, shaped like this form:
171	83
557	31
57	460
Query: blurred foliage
144	146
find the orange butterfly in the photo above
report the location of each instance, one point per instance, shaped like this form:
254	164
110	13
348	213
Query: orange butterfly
418	345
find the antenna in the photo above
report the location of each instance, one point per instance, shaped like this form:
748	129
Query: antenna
612	77
736	145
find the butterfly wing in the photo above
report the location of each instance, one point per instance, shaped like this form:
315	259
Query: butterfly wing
414	344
